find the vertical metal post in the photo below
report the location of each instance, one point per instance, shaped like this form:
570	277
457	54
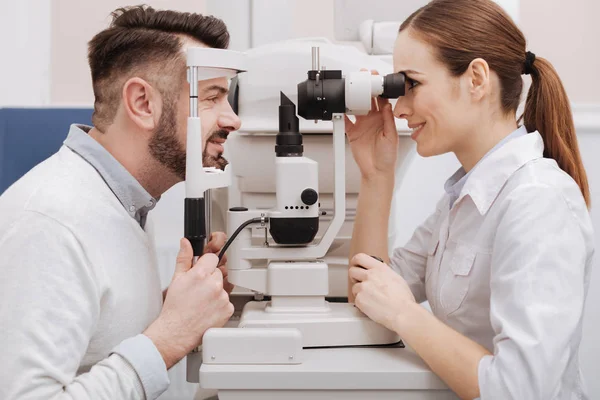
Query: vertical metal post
193	74
315	59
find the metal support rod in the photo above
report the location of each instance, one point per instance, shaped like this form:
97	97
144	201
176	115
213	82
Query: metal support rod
315	59
193	74
208	214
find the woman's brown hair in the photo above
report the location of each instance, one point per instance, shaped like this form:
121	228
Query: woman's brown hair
462	30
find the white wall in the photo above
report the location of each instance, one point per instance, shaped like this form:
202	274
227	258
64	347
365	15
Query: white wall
588	121
74	23
566	33
25	52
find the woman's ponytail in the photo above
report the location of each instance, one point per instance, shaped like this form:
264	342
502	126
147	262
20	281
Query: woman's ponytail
547	110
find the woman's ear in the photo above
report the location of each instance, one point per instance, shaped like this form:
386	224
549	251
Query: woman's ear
478	74
141	103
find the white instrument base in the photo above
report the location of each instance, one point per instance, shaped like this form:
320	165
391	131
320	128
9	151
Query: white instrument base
339	324
331	374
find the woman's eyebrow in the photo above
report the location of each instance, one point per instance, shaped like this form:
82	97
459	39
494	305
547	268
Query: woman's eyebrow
411	71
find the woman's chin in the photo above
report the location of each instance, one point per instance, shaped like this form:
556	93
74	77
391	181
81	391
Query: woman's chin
423	150
427	151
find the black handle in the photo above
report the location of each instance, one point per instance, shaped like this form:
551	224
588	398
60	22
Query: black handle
195	224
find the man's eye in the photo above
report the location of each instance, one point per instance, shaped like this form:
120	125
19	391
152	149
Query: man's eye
213	99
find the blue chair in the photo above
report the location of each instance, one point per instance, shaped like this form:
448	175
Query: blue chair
30	135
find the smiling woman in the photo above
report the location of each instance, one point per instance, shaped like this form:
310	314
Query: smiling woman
486	47
505	259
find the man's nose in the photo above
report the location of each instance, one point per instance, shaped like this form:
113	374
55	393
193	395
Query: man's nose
229	120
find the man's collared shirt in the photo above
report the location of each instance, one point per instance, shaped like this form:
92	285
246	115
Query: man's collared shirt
132	195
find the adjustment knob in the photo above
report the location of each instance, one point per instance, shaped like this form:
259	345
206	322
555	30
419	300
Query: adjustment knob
309	196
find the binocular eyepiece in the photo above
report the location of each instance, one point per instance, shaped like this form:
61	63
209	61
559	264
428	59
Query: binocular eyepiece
327	92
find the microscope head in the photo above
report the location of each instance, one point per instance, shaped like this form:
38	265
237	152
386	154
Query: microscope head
296	221
326	92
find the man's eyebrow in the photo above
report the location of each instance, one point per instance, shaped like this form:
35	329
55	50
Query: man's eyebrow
218	88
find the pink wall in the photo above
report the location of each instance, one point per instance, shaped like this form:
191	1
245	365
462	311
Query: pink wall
567	34
564	32
74	23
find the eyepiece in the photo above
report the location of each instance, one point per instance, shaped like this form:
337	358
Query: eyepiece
393	85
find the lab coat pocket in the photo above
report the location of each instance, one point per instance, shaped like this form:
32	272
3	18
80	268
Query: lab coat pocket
456	283
431	253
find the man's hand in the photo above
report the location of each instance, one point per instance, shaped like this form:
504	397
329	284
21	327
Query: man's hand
195	302
215	244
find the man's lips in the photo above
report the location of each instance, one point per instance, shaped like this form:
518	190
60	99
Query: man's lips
217	146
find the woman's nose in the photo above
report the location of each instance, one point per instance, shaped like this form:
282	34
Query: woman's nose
402	108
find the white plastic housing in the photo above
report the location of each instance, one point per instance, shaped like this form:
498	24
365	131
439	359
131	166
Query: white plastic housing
194	172
297	278
216	63
360	88
279	67
319	250
252	346
244	239
294	175
339	324
290	279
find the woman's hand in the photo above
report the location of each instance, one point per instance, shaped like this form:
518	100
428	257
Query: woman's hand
379	292
374	140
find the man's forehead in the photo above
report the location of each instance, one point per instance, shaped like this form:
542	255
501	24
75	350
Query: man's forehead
218	84
208	84
187	42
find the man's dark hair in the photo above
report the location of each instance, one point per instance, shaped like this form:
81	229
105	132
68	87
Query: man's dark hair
145	42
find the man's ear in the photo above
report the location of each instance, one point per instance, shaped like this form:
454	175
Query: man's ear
478	75
141	103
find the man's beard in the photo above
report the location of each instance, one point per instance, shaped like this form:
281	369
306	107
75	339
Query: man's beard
218	161
167	150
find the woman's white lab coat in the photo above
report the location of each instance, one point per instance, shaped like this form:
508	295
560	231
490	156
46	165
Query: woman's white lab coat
508	265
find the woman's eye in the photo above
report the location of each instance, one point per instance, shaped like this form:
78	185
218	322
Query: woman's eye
411	83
